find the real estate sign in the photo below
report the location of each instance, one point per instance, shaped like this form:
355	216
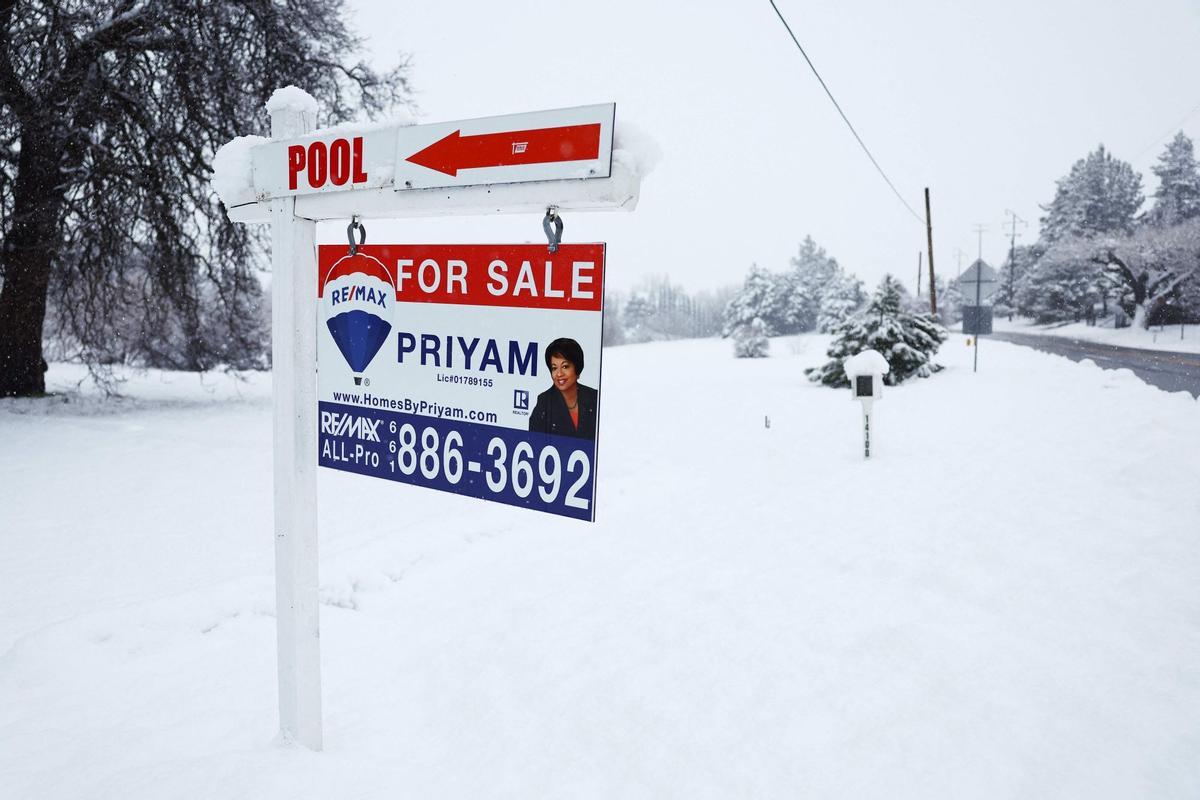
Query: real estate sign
472	369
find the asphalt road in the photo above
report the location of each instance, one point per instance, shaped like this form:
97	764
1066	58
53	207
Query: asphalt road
1174	372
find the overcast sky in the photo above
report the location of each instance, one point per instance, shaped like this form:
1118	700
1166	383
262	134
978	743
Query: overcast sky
985	103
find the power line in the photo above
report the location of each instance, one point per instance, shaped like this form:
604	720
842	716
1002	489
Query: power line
846	119
1173	129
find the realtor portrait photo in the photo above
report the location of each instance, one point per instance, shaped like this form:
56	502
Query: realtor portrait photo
567	408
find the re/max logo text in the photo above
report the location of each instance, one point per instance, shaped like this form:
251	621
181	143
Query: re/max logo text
350	425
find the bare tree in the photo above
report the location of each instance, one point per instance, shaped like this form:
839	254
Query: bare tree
1151	267
110	113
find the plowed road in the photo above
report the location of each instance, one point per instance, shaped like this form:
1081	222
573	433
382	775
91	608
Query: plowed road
1174	372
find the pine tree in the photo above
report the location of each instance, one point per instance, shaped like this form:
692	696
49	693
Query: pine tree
950	302
1100	195
1012	274
750	341
812	274
841	299
762	296
1177	198
1061	286
907	340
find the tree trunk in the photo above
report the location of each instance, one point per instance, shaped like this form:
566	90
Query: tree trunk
1141	317
26	256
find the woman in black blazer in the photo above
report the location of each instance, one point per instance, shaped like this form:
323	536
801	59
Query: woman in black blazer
568	408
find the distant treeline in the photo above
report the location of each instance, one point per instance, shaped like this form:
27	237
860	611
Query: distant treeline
659	309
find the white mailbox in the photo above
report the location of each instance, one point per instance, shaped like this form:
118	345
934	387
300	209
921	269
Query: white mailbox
865	371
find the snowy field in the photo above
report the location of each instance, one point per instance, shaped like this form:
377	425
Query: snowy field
1003	603
1166	337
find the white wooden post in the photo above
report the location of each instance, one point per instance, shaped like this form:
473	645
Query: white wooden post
294	359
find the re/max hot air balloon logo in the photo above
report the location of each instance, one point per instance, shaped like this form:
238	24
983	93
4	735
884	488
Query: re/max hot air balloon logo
358	299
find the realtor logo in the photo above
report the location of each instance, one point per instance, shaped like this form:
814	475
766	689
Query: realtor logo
521	399
358	296
520	147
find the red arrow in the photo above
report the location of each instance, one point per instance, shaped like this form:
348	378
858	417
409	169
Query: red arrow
510	148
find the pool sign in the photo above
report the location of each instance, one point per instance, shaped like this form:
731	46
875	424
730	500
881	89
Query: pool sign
433	369
328	162
562	144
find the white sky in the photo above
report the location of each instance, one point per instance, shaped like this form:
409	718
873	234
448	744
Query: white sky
985	103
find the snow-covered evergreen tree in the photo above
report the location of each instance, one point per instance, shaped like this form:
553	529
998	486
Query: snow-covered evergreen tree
841	299
949	301
1177	198
762	296
750	341
907	340
812	276
1100	195
1062	285
1011	274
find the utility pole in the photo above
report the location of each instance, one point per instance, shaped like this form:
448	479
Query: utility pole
929	238
1013	221
980	229
919	255
958	255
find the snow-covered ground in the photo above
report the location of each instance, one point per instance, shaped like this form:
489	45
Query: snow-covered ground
1167	337
1001	604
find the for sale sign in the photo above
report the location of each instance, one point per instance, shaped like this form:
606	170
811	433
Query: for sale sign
472	369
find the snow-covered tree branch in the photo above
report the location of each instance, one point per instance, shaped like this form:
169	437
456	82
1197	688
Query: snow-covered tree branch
110	113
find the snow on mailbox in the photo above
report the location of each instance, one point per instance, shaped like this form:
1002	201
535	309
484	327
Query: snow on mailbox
865	371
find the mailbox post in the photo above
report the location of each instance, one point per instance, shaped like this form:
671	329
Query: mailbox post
865	371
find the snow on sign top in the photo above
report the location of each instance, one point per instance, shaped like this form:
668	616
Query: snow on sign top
868	362
232	171
293	98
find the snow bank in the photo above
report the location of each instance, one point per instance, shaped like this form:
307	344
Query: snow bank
1168	338
1010	611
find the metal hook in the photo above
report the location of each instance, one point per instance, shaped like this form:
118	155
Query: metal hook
555	236
362	234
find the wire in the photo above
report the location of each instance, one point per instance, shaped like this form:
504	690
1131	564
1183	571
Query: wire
1174	128
846	119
